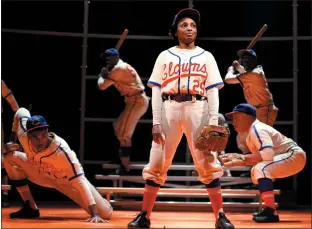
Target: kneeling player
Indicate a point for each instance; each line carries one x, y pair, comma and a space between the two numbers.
48, 161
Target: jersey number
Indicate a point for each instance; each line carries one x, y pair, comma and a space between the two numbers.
199, 85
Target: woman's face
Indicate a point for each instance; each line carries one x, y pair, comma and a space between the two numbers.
186, 31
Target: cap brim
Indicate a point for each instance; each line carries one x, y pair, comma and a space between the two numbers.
230, 115
242, 52
37, 127
191, 13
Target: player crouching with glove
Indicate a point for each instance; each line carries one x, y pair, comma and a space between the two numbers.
273, 156
48, 161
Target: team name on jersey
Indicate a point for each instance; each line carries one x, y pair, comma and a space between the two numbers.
190, 69
46, 167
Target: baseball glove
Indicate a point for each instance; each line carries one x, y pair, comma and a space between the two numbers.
11, 146
232, 159
212, 138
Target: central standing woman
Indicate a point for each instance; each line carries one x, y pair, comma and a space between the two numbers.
185, 96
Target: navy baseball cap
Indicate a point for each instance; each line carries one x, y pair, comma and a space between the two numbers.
244, 108
112, 51
250, 52
35, 122
109, 52
187, 12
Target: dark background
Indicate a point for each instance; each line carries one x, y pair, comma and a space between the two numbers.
45, 71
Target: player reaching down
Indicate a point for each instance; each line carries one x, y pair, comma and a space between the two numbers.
48, 161
183, 78
273, 156
128, 82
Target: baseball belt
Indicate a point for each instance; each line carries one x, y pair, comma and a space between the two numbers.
183, 97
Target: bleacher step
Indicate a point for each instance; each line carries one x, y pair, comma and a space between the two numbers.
140, 165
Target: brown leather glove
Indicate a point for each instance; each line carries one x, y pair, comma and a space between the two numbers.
212, 138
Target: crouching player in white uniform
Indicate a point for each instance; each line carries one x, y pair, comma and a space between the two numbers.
48, 161
273, 156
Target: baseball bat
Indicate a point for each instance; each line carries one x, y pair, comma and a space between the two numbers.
122, 39
257, 37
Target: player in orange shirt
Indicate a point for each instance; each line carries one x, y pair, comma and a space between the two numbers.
252, 78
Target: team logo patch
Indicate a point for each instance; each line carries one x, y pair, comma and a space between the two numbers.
35, 122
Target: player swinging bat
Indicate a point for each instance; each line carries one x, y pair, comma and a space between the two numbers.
252, 78
128, 82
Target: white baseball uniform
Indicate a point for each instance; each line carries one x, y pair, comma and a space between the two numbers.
183, 71
128, 82
55, 167
289, 159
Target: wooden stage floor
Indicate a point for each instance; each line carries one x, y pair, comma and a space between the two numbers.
73, 217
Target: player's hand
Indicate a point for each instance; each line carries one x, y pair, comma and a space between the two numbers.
104, 73
96, 219
238, 67
232, 159
236, 64
158, 134
11, 147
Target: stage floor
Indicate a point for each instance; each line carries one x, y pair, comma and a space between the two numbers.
72, 217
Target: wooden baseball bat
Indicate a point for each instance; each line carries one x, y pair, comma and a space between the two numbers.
122, 38
257, 37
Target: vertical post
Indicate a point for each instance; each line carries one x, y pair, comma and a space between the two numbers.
83, 79
190, 4
295, 78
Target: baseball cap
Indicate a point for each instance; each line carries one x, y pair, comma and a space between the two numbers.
244, 108
109, 52
35, 122
242, 52
112, 51
187, 12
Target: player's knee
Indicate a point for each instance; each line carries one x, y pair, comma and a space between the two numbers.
256, 173
213, 184
265, 184
22, 112
154, 179
109, 214
124, 141
7, 159
152, 183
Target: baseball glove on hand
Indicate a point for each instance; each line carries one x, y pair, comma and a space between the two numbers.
11, 146
232, 159
212, 138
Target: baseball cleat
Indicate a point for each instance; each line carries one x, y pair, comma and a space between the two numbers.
140, 221
266, 215
223, 222
26, 212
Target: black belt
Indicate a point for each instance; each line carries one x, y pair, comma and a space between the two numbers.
183, 97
